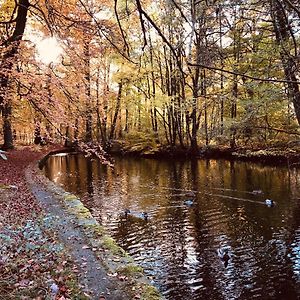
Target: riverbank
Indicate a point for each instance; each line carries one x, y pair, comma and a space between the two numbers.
52, 247
288, 154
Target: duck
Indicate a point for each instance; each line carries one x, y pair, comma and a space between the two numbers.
145, 215
189, 202
269, 202
257, 192
224, 256
127, 212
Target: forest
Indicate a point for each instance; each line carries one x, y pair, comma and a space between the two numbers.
176, 73
167, 78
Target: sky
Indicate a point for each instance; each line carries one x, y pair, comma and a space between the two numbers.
48, 50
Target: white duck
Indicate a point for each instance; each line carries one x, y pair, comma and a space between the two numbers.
2, 154
269, 202
189, 202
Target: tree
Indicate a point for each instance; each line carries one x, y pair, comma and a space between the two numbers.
10, 48
284, 23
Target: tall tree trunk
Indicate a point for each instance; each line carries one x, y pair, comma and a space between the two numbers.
76, 132
6, 66
88, 121
221, 75
236, 57
7, 128
203, 94
233, 112
283, 36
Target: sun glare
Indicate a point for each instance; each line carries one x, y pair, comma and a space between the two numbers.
48, 50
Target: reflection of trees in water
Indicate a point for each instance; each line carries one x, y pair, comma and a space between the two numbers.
78, 182
89, 198
183, 240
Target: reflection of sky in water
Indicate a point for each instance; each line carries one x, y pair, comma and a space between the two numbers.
178, 245
296, 254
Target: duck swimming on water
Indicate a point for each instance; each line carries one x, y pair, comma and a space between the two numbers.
145, 215
127, 212
269, 202
257, 192
189, 202
224, 256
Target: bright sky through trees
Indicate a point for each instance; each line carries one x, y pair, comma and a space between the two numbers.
48, 50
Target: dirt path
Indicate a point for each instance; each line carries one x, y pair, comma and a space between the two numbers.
92, 275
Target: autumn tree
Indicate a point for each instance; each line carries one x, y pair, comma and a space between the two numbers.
9, 48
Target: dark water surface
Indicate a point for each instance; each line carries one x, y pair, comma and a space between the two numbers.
177, 245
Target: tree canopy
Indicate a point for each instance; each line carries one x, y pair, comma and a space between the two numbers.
176, 72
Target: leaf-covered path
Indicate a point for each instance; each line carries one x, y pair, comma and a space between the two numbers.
50, 245
92, 275
33, 262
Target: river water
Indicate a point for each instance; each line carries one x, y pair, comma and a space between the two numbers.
197, 209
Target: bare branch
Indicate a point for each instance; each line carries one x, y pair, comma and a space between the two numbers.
44, 17
121, 29
242, 75
8, 22
291, 5
142, 12
105, 35
139, 7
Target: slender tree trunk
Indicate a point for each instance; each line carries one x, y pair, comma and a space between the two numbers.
88, 121
236, 54
118, 105
76, 131
233, 112
126, 120
37, 133
67, 137
222, 75
98, 127
203, 94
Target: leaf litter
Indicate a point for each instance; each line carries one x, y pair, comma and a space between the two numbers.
33, 264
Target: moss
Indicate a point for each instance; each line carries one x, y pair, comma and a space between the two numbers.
79, 210
97, 229
150, 293
131, 270
81, 214
70, 197
110, 244
73, 286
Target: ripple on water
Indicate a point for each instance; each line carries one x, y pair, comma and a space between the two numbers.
178, 245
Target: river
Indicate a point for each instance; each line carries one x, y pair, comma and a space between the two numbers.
195, 210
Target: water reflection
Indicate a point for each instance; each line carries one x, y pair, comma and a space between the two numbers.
177, 245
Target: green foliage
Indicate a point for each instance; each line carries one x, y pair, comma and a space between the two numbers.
141, 142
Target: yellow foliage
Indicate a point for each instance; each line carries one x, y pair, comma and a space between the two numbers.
7, 9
